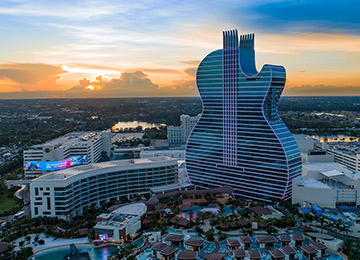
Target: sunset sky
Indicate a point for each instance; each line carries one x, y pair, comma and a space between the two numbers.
118, 48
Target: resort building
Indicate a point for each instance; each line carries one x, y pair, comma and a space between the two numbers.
265, 241
240, 139
56, 154
329, 185
239, 254
178, 135
289, 252
245, 242
121, 223
67, 192
194, 244
175, 239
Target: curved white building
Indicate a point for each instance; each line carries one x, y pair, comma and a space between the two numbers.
67, 192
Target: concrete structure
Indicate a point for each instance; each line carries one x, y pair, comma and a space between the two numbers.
311, 150
177, 154
328, 185
178, 135
91, 144
347, 154
323, 241
67, 192
316, 156
121, 223
306, 142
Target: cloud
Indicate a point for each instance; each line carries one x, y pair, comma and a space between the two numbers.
29, 76
191, 62
322, 90
191, 72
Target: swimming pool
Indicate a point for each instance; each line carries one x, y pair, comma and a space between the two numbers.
192, 212
58, 253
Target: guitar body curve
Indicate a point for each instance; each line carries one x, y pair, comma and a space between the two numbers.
240, 139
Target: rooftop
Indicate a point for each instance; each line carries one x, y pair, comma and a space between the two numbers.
312, 183
123, 215
233, 242
265, 239
96, 168
187, 254
194, 242
239, 252
349, 148
70, 139
245, 239
276, 253
288, 250
174, 237
284, 238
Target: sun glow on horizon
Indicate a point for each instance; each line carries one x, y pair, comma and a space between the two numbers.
93, 87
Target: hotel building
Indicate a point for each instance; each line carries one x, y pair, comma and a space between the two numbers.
67, 192
240, 139
90, 144
177, 135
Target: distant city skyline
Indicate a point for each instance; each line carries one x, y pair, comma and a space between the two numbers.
97, 48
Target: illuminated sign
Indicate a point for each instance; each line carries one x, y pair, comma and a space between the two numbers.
55, 165
103, 237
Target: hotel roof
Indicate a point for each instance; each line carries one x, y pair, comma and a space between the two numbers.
318, 245
298, 237
174, 237
168, 250
159, 246
70, 139
254, 254
194, 242
187, 255
284, 238
239, 252
233, 242
276, 253
309, 249
245, 239
265, 239
98, 168
288, 250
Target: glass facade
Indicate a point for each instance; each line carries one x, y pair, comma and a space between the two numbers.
240, 139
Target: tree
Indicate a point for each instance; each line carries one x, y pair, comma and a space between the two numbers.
222, 236
209, 235
271, 230
23, 253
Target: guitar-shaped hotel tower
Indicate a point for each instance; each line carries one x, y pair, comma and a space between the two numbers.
240, 139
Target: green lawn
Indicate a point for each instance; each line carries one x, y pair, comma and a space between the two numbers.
8, 203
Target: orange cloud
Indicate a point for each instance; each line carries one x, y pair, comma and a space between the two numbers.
29, 77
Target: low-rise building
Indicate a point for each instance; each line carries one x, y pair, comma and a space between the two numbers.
123, 222
194, 244
328, 185
67, 192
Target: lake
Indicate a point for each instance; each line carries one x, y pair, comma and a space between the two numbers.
134, 124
